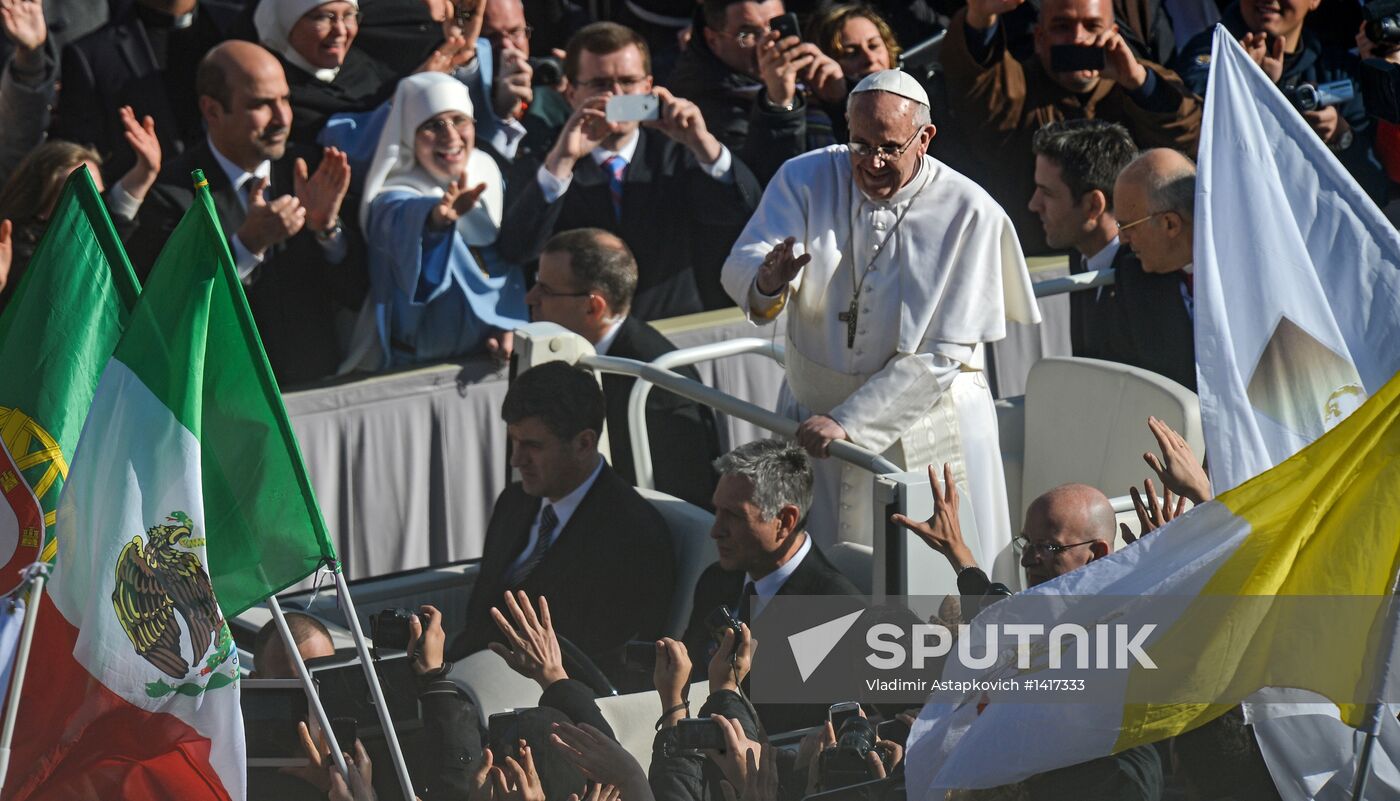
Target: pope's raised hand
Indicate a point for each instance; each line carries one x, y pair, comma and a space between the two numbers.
780, 266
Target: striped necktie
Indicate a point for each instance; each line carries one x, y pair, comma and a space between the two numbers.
615, 166
548, 520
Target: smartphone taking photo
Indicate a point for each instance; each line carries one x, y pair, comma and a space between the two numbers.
1073, 58
633, 108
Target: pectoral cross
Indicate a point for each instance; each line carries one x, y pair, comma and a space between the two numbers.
850, 317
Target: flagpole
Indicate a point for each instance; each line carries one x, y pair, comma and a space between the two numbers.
385, 719
1372, 724
312, 697
26, 637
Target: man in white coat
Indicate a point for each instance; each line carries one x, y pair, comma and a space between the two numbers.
895, 272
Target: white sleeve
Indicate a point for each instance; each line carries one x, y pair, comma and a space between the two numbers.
901, 393
121, 203
722, 168
244, 259
551, 185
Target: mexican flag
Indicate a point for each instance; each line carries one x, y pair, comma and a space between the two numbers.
188, 502
56, 335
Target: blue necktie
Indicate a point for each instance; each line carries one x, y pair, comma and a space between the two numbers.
615, 166
548, 520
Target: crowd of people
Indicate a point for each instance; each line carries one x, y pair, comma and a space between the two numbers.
407, 181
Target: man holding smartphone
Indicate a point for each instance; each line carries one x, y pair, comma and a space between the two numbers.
1082, 68
665, 186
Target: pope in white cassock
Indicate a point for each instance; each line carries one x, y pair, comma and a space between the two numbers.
895, 272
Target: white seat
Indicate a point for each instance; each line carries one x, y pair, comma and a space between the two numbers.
633, 718
493, 685
690, 539
855, 561
1086, 422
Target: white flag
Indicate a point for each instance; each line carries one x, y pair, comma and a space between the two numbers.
1297, 323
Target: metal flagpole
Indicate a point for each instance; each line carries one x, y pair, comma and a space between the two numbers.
1372, 724
312, 697
26, 637
376, 692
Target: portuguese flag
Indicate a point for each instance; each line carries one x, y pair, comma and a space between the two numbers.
55, 337
188, 502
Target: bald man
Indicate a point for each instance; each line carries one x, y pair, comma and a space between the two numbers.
298, 264
999, 103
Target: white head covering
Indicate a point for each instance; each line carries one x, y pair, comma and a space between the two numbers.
896, 82
418, 99
274, 20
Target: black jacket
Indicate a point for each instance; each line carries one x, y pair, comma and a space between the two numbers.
684, 440
1140, 319
609, 576
679, 222
294, 294
125, 63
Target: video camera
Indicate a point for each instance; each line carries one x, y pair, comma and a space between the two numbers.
1311, 97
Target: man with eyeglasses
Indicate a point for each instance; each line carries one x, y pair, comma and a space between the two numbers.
585, 283
666, 187
894, 272
1137, 319
752, 85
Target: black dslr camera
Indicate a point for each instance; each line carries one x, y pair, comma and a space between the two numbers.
389, 628
845, 763
1383, 22
548, 71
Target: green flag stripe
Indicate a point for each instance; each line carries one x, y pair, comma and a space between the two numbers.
192, 342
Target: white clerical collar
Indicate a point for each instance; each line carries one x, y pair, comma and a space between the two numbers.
769, 585
905, 192
237, 175
323, 74
604, 343
1104, 258
627, 151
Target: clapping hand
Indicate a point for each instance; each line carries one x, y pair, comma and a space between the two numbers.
942, 531
1269, 56
1179, 470
141, 135
321, 194
780, 266
270, 223
458, 199
531, 649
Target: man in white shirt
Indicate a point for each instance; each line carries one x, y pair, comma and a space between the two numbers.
570, 529
585, 283
666, 186
297, 263
895, 273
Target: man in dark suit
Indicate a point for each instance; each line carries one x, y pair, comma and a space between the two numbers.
761, 504
670, 190
1140, 318
146, 59
571, 529
297, 263
585, 283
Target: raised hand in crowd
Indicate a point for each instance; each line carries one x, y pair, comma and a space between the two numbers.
781, 61
461, 22
426, 645
760, 777
671, 675
458, 199
982, 14
681, 120
359, 785
323, 193
738, 754
1120, 64
601, 759
585, 129
267, 224
517, 780
1178, 469
454, 52
1152, 514
141, 135
728, 673
7, 251
809, 756
531, 648
319, 765
825, 78
26, 27
479, 783
1268, 56
513, 90
780, 266
598, 792
942, 531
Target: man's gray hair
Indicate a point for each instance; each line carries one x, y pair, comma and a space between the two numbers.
780, 471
